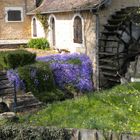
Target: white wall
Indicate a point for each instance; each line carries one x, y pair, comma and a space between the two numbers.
40, 29
64, 32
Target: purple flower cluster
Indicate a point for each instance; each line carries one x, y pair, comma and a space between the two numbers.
66, 74
13, 77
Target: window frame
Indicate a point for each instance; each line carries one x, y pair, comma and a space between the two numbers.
13, 9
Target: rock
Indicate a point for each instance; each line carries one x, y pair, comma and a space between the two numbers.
3, 107
9, 116
88, 135
75, 134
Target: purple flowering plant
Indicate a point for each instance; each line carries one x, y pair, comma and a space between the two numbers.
14, 79
74, 70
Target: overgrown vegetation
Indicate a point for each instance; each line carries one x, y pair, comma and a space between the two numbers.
14, 59
72, 72
38, 79
38, 43
44, 21
117, 109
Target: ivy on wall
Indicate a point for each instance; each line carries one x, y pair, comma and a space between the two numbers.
44, 21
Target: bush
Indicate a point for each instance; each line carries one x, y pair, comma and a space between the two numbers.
71, 71
13, 59
51, 96
37, 77
20, 132
39, 43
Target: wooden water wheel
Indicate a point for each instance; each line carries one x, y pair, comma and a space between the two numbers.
119, 44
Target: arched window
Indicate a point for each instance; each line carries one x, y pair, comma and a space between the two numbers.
53, 30
77, 30
34, 28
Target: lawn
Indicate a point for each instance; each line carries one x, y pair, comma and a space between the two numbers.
117, 109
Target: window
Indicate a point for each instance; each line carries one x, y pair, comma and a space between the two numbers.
77, 30
14, 14
34, 28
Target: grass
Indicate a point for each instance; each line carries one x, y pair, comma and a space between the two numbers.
117, 109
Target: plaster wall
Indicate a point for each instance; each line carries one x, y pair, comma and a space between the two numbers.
40, 29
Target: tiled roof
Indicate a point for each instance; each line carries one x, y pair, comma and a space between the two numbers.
53, 6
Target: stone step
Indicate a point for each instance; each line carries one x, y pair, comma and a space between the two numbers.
24, 101
4, 82
2, 73
4, 92
3, 77
21, 102
6, 86
27, 107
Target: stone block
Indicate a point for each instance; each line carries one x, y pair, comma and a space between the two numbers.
75, 134
88, 135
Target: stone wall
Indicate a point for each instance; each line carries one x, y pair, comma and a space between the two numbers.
15, 30
45, 133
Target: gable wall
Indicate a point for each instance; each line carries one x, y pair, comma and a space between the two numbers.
15, 30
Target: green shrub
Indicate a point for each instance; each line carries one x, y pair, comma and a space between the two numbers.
37, 77
51, 96
39, 80
39, 43
13, 59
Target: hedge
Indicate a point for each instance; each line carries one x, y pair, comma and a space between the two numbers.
14, 59
17, 132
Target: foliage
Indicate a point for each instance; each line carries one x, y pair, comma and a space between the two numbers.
37, 77
38, 43
51, 96
18, 132
14, 78
71, 71
13, 59
116, 109
44, 21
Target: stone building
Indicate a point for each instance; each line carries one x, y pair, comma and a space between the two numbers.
105, 30
15, 25
93, 27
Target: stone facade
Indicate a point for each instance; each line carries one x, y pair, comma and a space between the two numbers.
15, 30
